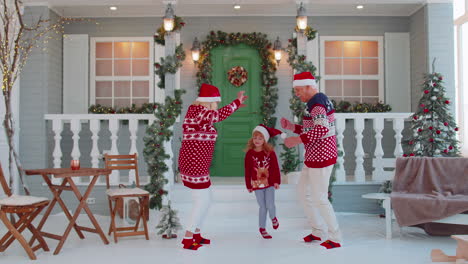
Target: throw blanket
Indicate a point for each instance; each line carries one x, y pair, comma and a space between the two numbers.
427, 189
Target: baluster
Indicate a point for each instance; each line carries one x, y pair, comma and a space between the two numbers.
340, 173
57, 127
75, 127
94, 126
378, 173
359, 173
398, 125
133, 128
114, 178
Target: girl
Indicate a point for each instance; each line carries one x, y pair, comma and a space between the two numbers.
262, 174
196, 152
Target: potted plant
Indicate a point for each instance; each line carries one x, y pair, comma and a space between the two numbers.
290, 164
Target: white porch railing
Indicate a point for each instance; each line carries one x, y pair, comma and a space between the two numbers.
378, 162
94, 121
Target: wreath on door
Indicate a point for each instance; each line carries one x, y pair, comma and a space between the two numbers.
237, 76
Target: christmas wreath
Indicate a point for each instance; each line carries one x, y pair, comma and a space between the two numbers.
237, 76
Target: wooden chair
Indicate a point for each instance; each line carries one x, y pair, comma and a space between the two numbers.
26, 208
116, 196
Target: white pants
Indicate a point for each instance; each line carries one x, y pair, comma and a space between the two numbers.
312, 190
201, 203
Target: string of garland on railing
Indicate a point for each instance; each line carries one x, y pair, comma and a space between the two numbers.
347, 107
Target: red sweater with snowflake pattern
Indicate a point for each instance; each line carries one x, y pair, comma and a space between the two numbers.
318, 132
199, 138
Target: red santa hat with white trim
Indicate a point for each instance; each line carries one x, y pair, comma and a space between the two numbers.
209, 93
303, 79
268, 132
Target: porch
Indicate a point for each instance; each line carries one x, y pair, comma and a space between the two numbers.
236, 240
369, 143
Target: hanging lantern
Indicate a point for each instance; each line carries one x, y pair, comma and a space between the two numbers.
195, 50
277, 50
301, 18
169, 18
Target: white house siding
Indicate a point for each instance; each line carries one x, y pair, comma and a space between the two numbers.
200, 27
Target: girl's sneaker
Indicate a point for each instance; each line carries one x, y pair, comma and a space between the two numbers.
275, 223
264, 233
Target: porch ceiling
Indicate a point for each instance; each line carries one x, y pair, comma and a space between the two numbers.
132, 8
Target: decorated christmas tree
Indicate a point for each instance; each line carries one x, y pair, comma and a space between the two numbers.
433, 129
169, 223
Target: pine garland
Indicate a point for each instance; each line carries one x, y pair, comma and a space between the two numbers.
347, 107
161, 32
258, 41
434, 129
169, 223
146, 108
154, 153
170, 64
309, 32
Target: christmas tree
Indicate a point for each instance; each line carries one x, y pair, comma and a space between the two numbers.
434, 129
169, 223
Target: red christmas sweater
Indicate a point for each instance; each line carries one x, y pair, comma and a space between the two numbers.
318, 132
261, 170
199, 138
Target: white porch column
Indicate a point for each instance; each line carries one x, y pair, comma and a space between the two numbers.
172, 83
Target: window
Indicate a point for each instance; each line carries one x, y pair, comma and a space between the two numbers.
352, 68
121, 71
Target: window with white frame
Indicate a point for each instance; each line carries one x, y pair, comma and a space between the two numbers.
351, 68
122, 71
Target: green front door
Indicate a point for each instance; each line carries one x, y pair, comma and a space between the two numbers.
235, 131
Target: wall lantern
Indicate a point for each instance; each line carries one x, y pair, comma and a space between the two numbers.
195, 50
169, 18
301, 18
277, 50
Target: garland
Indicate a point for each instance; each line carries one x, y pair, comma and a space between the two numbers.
347, 107
258, 41
309, 32
161, 32
159, 131
154, 153
146, 108
170, 64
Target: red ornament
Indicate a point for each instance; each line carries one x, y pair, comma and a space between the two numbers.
456, 129
422, 105
404, 155
430, 128
445, 150
289, 40
420, 130
411, 155
157, 65
450, 147
161, 192
441, 78
411, 142
438, 131
431, 140
445, 124
415, 117
426, 91
447, 102
426, 110
155, 106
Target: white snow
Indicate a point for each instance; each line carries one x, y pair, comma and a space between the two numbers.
237, 240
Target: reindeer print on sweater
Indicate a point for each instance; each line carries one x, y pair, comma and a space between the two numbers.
261, 170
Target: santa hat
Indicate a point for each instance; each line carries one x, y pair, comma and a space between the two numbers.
209, 93
268, 132
303, 79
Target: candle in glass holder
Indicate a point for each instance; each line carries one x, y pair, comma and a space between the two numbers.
75, 164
